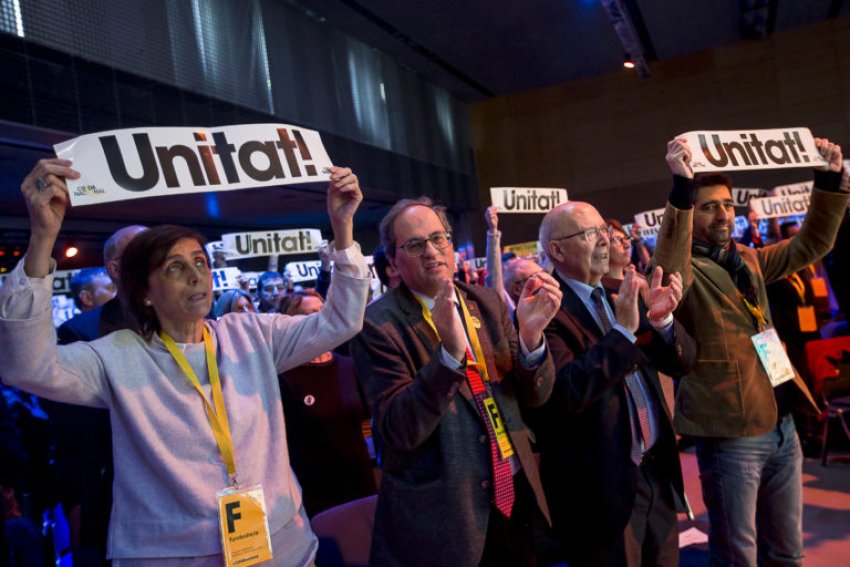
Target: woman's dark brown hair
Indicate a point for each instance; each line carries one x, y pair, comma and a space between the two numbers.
146, 253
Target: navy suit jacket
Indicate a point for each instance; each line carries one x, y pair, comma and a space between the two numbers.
584, 432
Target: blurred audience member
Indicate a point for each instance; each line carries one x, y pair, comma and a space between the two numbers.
270, 290
83, 435
386, 273
325, 419
641, 252
233, 301
91, 288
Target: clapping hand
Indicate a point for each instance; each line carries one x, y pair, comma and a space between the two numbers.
538, 303
663, 300
447, 321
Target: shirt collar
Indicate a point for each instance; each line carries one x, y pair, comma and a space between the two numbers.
429, 301
581, 289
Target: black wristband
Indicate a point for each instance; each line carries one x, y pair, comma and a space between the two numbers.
682, 193
828, 180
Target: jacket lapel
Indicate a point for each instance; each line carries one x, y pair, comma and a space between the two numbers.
574, 309
412, 310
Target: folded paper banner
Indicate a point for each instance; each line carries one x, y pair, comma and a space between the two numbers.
527, 199
118, 165
735, 150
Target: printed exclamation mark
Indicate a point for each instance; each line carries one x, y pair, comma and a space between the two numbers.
309, 168
800, 145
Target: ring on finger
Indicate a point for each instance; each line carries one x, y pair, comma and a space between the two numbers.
41, 184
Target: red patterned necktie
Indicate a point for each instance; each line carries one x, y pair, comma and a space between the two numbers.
503, 480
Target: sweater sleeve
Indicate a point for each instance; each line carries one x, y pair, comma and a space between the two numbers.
297, 340
29, 357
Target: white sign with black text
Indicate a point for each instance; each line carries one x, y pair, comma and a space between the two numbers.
271, 243
783, 206
650, 221
803, 188
527, 199
734, 150
741, 196
118, 165
225, 278
306, 271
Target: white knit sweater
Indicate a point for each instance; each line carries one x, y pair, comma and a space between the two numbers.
167, 464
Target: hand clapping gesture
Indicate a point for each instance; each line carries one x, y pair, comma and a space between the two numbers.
447, 321
538, 303
663, 300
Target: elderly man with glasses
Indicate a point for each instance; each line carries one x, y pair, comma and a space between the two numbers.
445, 373
607, 450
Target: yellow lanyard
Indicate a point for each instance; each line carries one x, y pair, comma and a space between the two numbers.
479, 361
756, 312
218, 416
797, 283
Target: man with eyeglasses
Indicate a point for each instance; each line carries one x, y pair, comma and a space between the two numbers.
607, 449
270, 290
445, 372
739, 413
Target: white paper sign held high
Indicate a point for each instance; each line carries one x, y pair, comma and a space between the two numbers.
527, 199
118, 165
731, 150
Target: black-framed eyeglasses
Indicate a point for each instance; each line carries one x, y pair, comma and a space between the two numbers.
590, 234
621, 239
415, 247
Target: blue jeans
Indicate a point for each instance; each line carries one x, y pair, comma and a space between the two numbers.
752, 488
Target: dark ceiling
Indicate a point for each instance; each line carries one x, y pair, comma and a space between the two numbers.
483, 48
474, 48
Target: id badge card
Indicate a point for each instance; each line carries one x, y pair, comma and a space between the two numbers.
806, 317
819, 287
244, 525
506, 450
773, 357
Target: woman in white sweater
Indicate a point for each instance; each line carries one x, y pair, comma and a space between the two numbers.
169, 465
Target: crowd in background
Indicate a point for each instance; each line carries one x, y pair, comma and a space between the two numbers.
54, 453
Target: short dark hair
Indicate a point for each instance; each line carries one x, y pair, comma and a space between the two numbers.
379, 259
386, 228
267, 276
82, 280
710, 180
292, 301
144, 254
